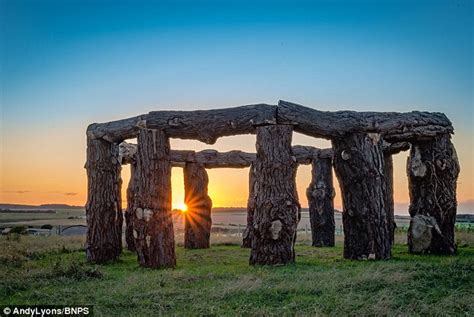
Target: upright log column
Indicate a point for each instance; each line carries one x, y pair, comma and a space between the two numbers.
197, 227
129, 214
104, 203
433, 170
153, 221
248, 232
388, 171
277, 209
359, 166
320, 195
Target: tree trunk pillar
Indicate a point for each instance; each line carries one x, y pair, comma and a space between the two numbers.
320, 194
388, 171
153, 221
197, 226
359, 166
104, 204
247, 234
131, 198
433, 170
277, 208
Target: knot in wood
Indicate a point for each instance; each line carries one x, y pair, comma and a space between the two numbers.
232, 124
275, 229
207, 138
320, 193
345, 155
374, 137
418, 169
141, 124
147, 214
441, 164
139, 213
174, 122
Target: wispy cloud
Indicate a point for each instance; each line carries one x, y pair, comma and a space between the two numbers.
16, 191
30, 192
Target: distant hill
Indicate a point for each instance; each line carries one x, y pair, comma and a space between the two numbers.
229, 209
39, 207
244, 209
60, 206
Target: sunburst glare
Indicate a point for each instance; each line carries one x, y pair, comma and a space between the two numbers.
182, 206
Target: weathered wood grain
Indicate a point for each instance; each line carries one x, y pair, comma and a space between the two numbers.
215, 159
209, 125
359, 166
153, 221
393, 126
433, 169
197, 226
132, 191
320, 194
248, 232
363, 143
277, 210
203, 125
389, 203
104, 204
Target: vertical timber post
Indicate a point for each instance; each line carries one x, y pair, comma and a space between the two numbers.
129, 214
359, 166
197, 226
247, 234
153, 220
320, 194
388, 171
433, 169
104, 203
277, 209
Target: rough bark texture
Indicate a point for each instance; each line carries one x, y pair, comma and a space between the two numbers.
359, 166
215, 159
153, 222
362, 163
248, 232
104, 203
129, 214
127, 153
203, 125
390, 149
208, 125
197, 228
277, 209
320, 194
388, 172
394, 148
433, 170
393, 126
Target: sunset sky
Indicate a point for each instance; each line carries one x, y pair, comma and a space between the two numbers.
66, 64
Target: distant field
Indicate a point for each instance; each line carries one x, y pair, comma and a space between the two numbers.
221, 218
38, 218
219, 281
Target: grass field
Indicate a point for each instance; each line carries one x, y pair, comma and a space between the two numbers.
61, 217
218, 281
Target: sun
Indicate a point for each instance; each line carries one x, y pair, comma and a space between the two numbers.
182, 206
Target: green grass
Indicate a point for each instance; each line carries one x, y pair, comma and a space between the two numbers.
219, 281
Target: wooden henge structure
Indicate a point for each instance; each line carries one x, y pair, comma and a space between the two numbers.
362, 147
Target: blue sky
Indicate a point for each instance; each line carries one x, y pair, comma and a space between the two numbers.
65, 64
80, 56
